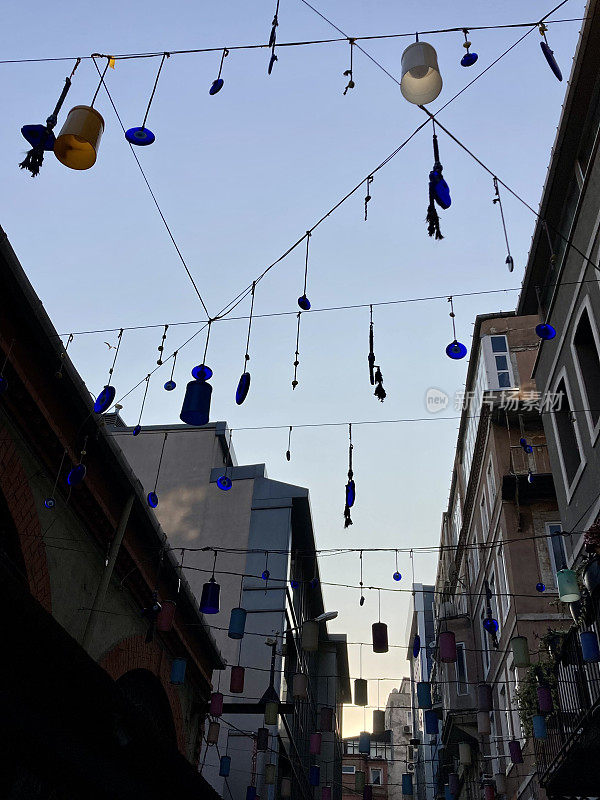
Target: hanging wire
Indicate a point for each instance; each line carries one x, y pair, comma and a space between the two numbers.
162, 61
161, 346
273, 39
368, 194
362, 596
348, 72
63, 356
247, 356
206, 343
111, 370
297, 353
94, 57
497, 199
138, 427
162, 450
288, 454
179, 577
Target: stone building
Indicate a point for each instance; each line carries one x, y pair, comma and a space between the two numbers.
399, 721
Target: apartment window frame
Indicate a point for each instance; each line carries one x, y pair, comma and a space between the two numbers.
372, 771
484, 513
490, 479
461, 658
485, 644
586, 307
503, 587
348, 769
569, 487
551, 534
498, 362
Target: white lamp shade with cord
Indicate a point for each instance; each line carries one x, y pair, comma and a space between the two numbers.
421, 80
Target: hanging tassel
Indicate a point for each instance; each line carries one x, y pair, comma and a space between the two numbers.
273, 40
350, 486
379, 392
438, 193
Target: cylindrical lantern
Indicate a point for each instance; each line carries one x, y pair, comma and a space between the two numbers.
314, 775
589, 646
212, 737
359, 780
271, 713
310, 636
368, 792
378, 721
500, 780
447, 793
196, 403
236, 681
77, 143
568, 588
178, 666
315, 744
464, 753
380, 637
326, 719
251, 793
453, 783
489, 793
209, 601
447, 647
520, 649
300, 686
484, 697
364, 743
540, 730
421, 79
326, 793
270, 774
407, 784
237, 623
483, 723
424, 694
361, 692
164, 620
216, 704
225, 766
516, 754
431, 723
544, 698
262, 739
285, 789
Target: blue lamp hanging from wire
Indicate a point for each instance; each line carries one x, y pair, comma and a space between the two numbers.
107, 395
152, 497
196, 403
224, 482
303, 300
209, 601
217, 84
170, 384
548, 53
350, 485
78, 471
469, 58
498, 200
439, 192
544, 330
143, 136
455, 350
244, 383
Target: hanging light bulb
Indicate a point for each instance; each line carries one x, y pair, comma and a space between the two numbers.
178, 667
217, 84
421, 80
237, 623
364, 743
314, 775
216, 704
378, 722
236, 680
262, 739
271, 713
520, 650
361, 690
224, 766
424, 694
455, 350
212, 737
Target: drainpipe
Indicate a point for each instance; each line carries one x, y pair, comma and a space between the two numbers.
106, 575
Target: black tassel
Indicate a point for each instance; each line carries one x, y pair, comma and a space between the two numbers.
33, 161
347, 518
432, 218
379, 392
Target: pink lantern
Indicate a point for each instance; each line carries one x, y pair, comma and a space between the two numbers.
516, 754
447, 646
484, 697
236, 684
326, 793
164, 621
315, 744
489, 792
216, 704
544, 698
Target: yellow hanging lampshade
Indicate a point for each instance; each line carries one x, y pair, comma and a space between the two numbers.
77, 143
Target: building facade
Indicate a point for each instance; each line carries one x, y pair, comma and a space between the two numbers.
562, 280
257, 527
98, 700
399, 721
373, 767
500, 542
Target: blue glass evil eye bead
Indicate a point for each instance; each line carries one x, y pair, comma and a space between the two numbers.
136, 430
549, 56
294, 583
202, 372
140, 136
545, 331
456, 350
216, 87
304, 303
104, 399
49, 502
76, 475
490, 625
468, 59
152, 499
243, 388
224, 483
266, 575
441, 190
169, 386
396, 576
540, 587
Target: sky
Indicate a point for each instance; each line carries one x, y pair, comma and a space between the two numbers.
240, 176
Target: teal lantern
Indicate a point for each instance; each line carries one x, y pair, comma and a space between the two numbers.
568, 588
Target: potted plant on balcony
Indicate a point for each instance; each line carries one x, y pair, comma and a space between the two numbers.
590, 570
540, 674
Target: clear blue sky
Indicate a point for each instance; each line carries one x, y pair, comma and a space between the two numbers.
242, 175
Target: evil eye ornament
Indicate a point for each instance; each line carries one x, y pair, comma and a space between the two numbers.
202, 372
350, 493
441, 190
266, 575
490, 625
549, 56
224, 483
140, 136
545, 331
39, 136
304, 303
468, 59
294, 583
526, 447
49, 502
243, 388
76, 475
216, 87
396, 576
540, 587
136, 430
152, 499
104, 399
169, 386
456, 350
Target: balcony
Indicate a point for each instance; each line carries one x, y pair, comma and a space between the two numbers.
568, 758
531, 473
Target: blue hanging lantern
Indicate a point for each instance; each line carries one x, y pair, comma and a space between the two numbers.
104, 399
456, 350
527, 448
209, 602
304, 303
224, 483
216, 86
251, 793
243, 388
140, 136
545, 331
76, 475
431, 723
314, 775
407, 784
178, 666
416, 646
137, 430
469, 58
196, 403
589, 646
424, 694
225, 766
540, 587
49, 502
152, 499
170, 385
540, 730
364, 743
237, 623
490, 625
397, 576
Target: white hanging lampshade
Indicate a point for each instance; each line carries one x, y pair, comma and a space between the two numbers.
568, 588
300, 686
464, 753
421, 80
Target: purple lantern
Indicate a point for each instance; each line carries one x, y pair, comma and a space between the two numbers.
516, 754
544, 698
447, 646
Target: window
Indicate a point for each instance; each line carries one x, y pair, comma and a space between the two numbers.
376, 777
585, 345
491, 483
475, 552
498, 362
461, 669
348, 769
504, 717
485, 643
493, 601
502, 583
485, 519
568, 441
556, 543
